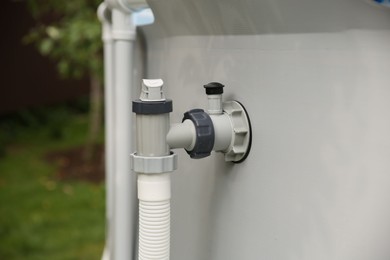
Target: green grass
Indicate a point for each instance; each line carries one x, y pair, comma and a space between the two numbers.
41, 217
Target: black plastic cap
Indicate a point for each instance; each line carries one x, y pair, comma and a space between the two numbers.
214, 88
204, 133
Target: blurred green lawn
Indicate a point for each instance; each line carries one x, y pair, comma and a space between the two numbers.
41, 217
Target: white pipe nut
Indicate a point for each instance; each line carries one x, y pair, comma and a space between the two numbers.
154, 165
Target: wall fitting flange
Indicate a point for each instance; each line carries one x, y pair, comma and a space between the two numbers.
242, 134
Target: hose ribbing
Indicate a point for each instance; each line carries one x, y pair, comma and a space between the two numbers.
154, 230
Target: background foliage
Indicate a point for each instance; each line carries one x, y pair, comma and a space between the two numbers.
41, 216
69, 33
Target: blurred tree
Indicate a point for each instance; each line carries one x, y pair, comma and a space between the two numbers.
69, 33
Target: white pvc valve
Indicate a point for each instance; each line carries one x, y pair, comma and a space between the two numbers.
152, 90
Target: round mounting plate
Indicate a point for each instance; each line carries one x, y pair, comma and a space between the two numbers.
242, 132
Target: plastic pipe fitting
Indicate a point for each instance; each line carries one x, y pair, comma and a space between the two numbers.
225, 128
182, 135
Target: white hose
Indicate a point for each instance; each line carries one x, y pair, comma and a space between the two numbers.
154, 193
154, 230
